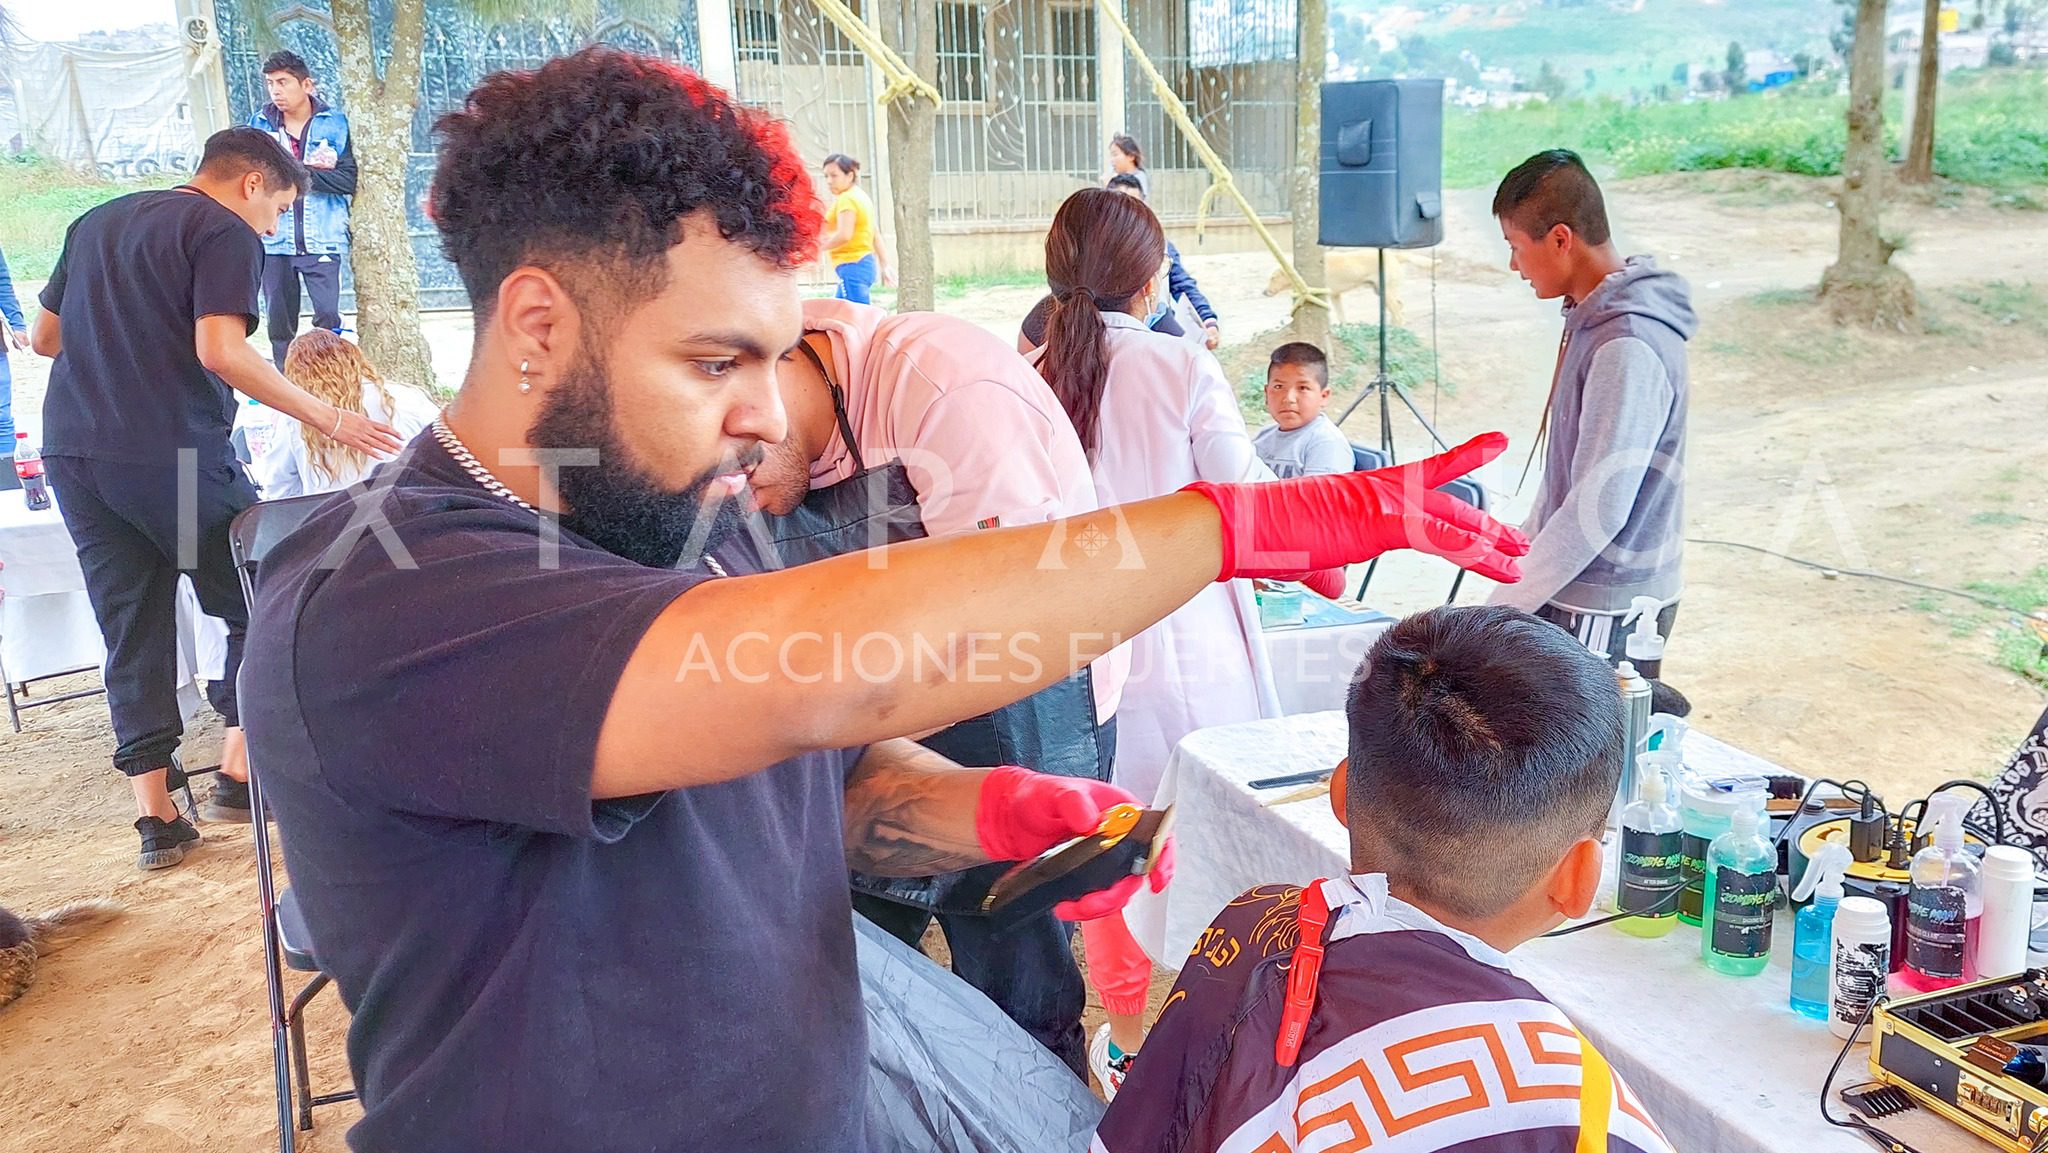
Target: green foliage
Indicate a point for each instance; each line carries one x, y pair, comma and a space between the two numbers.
39, 199
1990, 132
2020, 305
959, 284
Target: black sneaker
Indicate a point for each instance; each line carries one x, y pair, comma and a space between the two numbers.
164, 842
229, 801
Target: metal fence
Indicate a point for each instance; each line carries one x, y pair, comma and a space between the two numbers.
458, 51
788, 58
1232, 63
1021, 124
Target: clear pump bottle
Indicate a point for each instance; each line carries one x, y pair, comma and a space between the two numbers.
1945, 903
1813, 929
1741, 883
1649, 876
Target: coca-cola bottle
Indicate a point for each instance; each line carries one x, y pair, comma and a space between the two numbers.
28, 465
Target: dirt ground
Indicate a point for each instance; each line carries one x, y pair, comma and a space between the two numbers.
1919, 458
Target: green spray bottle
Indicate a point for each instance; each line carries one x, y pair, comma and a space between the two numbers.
1741, 894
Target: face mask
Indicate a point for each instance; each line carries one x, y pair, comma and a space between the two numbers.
1160, 308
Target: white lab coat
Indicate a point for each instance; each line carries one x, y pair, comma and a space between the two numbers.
1169, 419
286, 469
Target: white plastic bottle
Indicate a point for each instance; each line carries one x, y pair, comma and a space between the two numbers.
2007, 883
1862, 958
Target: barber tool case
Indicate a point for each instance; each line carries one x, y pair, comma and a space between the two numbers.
1949, 1050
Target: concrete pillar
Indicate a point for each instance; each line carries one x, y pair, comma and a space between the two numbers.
715, 44
1109, 77
206, 79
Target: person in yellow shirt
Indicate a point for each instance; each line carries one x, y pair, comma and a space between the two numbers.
850, 239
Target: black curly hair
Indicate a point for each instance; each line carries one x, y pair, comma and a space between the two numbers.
588, 166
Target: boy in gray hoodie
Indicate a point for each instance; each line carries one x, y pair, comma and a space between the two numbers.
1608, 524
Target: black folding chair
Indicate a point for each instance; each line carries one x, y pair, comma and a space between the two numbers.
285, 942
1365, 459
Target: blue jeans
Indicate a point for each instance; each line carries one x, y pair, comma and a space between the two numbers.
7, 477
857, 278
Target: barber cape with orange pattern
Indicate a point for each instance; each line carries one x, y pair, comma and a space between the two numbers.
1417, 1039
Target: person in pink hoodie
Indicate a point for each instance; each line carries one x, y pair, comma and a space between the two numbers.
911, 425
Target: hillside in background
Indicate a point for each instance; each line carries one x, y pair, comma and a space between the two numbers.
1598, 47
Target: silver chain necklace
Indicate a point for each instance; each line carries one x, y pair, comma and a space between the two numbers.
474, 467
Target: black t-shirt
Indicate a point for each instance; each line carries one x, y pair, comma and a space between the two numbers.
528, 969
135, 275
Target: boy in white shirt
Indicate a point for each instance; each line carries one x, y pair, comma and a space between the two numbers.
1301, 441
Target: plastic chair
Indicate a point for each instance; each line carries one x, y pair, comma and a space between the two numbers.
285, 940
1365, 459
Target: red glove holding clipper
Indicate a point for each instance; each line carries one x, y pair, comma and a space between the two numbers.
1022, 814
1285, 528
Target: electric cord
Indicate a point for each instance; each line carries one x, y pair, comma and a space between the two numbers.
1668, 901
1882, 1139
1866, 574
1996, 834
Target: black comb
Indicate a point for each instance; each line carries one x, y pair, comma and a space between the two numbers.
1878, 1100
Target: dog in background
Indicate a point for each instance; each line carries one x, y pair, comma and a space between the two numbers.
24, 939
1347, 268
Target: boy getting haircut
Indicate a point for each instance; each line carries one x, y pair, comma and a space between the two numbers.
1485, 749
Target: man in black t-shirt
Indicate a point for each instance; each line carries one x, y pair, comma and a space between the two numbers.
567, 782
148, 314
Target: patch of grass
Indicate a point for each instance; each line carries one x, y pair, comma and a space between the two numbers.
1783, 297
38, 201
2010, 474
2023, 596
2021, 650
2007, 304
1998, 519
1990, 132
961, 284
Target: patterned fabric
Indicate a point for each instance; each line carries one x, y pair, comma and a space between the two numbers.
1421, 1040
2022, 791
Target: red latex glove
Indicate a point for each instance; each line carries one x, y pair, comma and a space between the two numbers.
1285, 528
1022, 814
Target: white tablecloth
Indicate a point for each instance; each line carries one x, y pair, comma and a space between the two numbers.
46, 622
1723, 1063
1312, 667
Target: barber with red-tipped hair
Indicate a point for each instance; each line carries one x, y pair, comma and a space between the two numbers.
568, 797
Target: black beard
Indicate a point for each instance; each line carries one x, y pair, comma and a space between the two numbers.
615, 504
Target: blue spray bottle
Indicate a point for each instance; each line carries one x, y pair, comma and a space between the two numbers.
1814, 928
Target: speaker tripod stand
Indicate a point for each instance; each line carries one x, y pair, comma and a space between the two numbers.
1385, 386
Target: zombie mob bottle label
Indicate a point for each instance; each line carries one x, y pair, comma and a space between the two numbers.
1650, 872
1692, 872
1936, 930
1742, 912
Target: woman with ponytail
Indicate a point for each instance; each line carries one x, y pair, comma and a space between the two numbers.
1155, 414
303, 460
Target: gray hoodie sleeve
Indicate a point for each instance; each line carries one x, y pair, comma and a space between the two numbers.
1627, 400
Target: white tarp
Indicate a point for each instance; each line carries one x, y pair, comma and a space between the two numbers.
125, 113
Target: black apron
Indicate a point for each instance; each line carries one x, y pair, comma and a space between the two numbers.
1051, 731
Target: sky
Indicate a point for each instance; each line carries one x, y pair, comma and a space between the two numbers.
50, 20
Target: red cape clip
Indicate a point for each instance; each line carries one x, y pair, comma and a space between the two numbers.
1302, 971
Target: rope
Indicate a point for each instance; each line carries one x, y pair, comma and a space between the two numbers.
1223, 183
902, 82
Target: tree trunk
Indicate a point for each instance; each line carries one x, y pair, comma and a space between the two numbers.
1311, 320
1861, 287
1919, 167
912, 30
380, 111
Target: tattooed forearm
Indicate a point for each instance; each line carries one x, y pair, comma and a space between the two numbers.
910, 812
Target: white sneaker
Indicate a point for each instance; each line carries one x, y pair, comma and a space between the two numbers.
1109, 1075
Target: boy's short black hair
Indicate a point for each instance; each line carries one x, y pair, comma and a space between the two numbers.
1549, 189
1304, 354
1484, 743
232, 153
1127, 180
589, 165
286, 60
